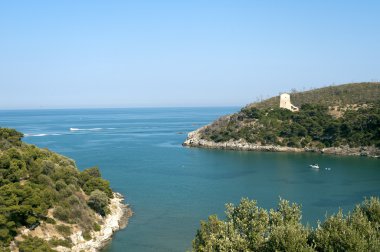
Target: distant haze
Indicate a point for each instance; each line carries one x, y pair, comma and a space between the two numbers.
83, 54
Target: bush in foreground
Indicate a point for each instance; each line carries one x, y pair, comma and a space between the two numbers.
250, 228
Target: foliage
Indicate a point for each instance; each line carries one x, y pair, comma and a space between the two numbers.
88, 174
87, 235
64, 230
313, 127
34, 244
34, 180
61, 242
9, 138
250, 228
341, 95
97, 184
96, 227
98, 201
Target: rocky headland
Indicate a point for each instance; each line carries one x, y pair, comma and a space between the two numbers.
339, 120
48, 204
194, 139
117, 219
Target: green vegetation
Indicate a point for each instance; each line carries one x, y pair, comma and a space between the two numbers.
34, 244
36, 181
315, 126
98, 201
64, 230
354, 93
250, 228
61, 242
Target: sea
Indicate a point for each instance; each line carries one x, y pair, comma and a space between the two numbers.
171, 188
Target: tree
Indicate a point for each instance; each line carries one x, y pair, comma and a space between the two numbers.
97, 183
98, 201
88, 174
250, 228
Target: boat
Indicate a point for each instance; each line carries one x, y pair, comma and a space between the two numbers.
315, 166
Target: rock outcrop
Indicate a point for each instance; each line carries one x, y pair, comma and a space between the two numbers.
117, 219
194, 139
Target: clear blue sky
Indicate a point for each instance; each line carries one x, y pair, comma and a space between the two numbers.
64, 54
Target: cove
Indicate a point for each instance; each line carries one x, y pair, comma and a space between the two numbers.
171, 188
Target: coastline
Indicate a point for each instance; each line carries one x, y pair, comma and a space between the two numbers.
116, 220
194, 140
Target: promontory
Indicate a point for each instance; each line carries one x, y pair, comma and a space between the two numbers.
341, 120
47, 204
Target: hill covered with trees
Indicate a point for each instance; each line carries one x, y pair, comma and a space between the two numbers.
248, 227
43, 191
334, 118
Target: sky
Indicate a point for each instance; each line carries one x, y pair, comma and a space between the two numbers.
100, 54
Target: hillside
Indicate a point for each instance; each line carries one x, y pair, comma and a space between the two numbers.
47, 204
342, 95
341, 119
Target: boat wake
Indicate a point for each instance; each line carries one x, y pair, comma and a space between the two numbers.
40, 135
90, 129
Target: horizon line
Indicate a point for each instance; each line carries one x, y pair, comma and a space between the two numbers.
131, 107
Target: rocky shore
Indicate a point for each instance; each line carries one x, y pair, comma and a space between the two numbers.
194, 140
117, 219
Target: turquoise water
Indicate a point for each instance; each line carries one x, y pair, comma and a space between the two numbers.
171, 188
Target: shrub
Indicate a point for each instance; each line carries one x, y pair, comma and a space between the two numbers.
62, 213
50, 221
250, 228
88, 174
60, 185
34, 244
97, 184
96, 227
98, 201
87, 235
61, 242
64, 230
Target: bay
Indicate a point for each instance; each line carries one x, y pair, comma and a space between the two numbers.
171, 188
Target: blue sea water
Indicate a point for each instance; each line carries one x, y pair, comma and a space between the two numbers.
171, 188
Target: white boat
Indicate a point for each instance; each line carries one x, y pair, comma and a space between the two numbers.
315, 166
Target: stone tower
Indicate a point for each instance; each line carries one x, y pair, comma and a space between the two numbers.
285, 102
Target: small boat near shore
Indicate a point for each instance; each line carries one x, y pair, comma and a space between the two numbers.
315, 166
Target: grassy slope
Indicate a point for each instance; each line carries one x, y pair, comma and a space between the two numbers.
353, 93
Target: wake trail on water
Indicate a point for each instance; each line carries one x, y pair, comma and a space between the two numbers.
40, 134
89, 129
71, 130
